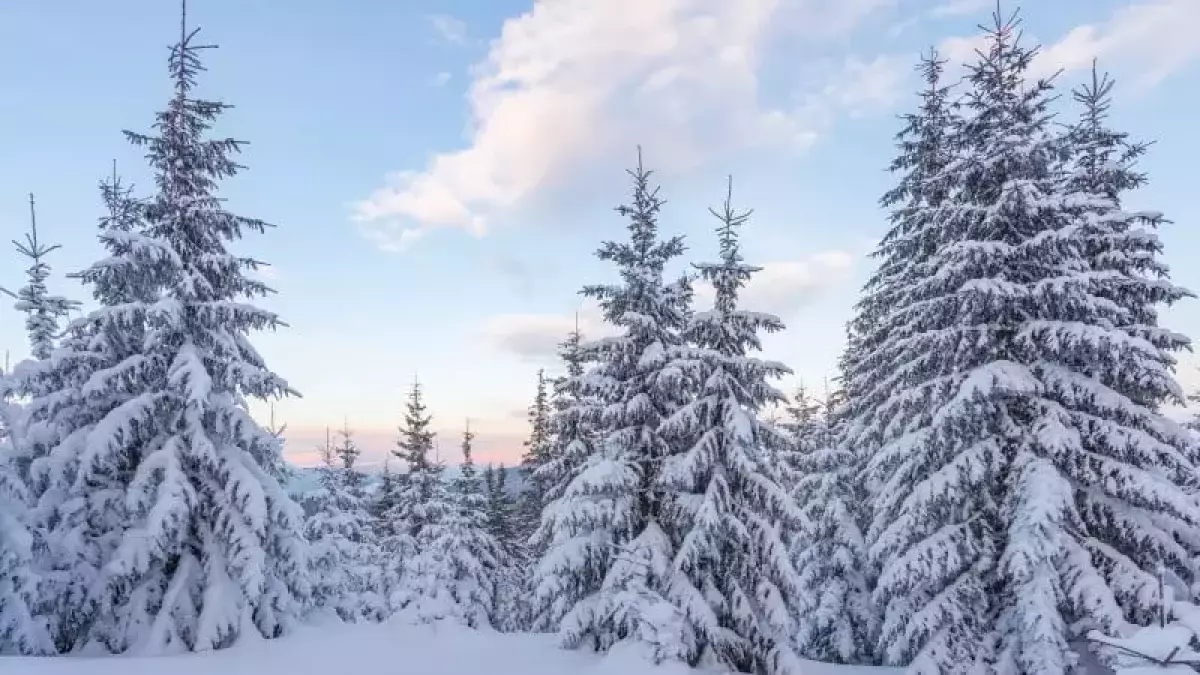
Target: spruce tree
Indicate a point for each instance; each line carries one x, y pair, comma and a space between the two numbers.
735, 583
44, 312
888, 317
1027, 487
181, 536
608, 563
415, 520
1119, 374
343, 558
537, 453
22, 630
572, 420
79, 492
463, 562
512, 602
834, 613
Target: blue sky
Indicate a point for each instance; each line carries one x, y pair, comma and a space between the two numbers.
441, 171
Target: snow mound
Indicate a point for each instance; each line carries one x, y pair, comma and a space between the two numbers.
393, 647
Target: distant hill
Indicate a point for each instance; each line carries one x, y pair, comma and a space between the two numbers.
307, 479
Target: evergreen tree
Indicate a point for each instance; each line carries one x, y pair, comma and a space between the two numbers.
512, 604
881, 400
834, 613
384, 499
462, 562
417, 519
1120, 376
43, 312
344, 562
79, 493
179, 534
22, 630
537, 453
608, 565
1022, 493
573, 416
725, 506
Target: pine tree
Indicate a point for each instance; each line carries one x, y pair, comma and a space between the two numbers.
79, 492
183, 536
459, 559
1130, 503
512, 604
343, 559
22, 629
834, 612
384, 499
537, 453
875, 366
422, 478
608, 563
43, 312
1022, 493
573, 417
735, 583
422, 503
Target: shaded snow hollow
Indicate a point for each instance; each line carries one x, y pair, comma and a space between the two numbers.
383, 648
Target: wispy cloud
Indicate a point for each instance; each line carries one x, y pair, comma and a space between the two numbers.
535, 337
440, 79
449, 28
960, 8
1149, 40
574, 82
783, 287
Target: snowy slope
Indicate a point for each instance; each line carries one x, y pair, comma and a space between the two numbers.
388, 649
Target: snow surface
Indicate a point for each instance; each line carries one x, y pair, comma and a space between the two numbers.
392, 647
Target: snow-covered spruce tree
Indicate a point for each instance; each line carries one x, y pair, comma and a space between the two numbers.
205, 542
1128, 364
512, 587
500, 504
835, 617
537, 453
422, 501
22, 630
79, 493
608, 567
383, 500
466, 560
926, 144
892, 379
887, 310
1021, 495
733, 578
343, 559
43, 312
572, 421
1122, 247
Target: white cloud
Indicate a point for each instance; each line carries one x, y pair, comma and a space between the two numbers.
1151, 39
960, 8
785, 286
448, 28
440, 79
782, 287
535, 337
575, 82
959, 51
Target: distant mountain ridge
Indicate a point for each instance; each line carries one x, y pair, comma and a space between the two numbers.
305, 479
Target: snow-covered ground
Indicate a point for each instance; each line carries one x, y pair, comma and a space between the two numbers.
386, 649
